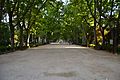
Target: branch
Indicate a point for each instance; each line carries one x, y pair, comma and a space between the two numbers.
38, 12
112, 8
51, 4
91, 11
14, 7
28, 8
86, 21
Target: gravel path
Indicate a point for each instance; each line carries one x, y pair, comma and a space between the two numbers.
59, 62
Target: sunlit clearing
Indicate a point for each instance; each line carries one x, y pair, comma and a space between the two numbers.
75, 47
49, 46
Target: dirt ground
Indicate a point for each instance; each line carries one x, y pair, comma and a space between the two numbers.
59, 62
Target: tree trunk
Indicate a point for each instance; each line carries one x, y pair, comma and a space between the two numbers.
21, 37
112, 29
95, 36
114, 40
21, 34
27, 38
100, 23
117, 32
103, 38
11, 31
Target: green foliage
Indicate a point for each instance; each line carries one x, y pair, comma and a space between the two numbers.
42, 21
4, 37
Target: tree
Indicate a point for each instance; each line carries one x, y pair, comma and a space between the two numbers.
51, 20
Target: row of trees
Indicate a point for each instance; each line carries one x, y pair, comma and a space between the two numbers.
22, 18
27, 23
95, 22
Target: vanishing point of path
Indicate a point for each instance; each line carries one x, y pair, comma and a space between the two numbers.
59, 62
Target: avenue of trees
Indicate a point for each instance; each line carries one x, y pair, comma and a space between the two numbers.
26, 23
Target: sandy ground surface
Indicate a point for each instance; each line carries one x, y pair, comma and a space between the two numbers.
59, 62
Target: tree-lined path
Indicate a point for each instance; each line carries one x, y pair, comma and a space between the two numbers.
59, 62
25, 24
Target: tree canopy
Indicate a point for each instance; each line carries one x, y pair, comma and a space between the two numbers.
25, 23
